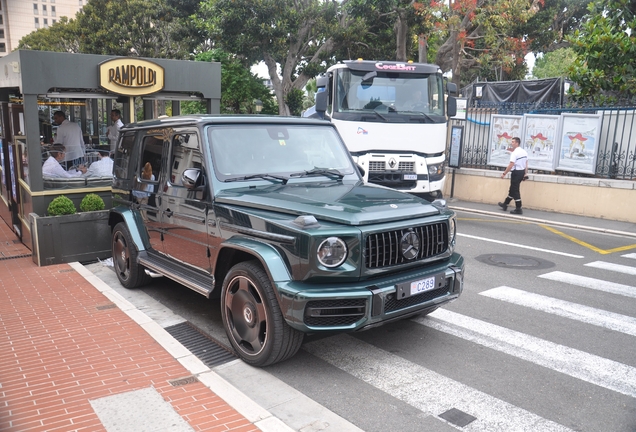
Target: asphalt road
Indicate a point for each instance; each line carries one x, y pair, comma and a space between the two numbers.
542, 339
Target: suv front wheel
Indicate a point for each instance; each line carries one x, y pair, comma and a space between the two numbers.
252, 318
129, 273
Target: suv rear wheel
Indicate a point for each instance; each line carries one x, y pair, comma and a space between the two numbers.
252, 318
129, 273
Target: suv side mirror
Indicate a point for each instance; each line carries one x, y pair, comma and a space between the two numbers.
190, 178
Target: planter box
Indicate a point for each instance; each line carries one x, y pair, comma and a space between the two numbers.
79, 237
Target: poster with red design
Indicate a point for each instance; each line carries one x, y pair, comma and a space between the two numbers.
579, 142
540, 138
502, 129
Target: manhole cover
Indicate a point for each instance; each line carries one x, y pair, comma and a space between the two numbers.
519, 262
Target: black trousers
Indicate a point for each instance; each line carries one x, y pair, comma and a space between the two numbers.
516, 177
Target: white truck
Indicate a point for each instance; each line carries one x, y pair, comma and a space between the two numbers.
393, 118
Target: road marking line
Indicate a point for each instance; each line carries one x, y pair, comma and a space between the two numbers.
587, 245
613, 267
586, 314
422, 388
591, 283
597, 370
519, 246
631, 255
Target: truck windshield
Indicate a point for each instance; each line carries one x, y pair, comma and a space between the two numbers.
275, 151
388, 96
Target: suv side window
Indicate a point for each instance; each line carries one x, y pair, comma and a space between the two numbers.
123, 154
185, 154
151, 153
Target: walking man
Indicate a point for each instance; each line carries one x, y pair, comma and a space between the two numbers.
518, 168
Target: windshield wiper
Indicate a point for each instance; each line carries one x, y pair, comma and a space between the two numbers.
262, 176
419, 114
329, 172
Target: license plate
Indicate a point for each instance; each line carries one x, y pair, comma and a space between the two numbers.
410, 176
423, 285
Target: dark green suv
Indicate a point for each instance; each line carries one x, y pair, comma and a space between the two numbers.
271, 214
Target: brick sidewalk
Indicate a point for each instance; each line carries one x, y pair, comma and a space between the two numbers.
64, 344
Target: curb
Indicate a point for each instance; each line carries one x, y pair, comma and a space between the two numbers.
547, 222
249, 409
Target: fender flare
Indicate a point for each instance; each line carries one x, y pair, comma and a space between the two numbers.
269, 257
140, 238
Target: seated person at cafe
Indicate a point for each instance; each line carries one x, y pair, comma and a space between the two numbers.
52, 167
100, 168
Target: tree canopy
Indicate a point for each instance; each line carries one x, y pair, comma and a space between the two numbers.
605, 68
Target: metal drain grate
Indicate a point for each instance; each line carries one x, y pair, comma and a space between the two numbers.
104, 307
208, 350
3, 257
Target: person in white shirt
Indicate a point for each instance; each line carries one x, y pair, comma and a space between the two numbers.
100, 168
113, 130
69, 134
52, 167
518, 168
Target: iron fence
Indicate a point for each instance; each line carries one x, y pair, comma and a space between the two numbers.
616, 155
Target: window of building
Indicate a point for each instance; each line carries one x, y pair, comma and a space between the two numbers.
37, 22
3, 47
79, 2
44, 10
52, 10
1, 19
1, 33
46, 23
53, 22
35, 8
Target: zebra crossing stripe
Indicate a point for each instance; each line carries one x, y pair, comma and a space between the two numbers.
578, 364
591, 283
613, 267
586, 314
630, 255
424, 389
519, 245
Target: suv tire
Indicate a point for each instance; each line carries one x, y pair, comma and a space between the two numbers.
252, 318
129, 273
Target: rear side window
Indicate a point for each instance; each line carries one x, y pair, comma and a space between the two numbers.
151, 153
123, 154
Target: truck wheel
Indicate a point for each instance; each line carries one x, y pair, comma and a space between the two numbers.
252, 318
129, 273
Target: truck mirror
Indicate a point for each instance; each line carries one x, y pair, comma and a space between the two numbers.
322, 99
451, 106
451, 88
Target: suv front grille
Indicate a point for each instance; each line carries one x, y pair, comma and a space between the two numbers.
384, 250
334, 312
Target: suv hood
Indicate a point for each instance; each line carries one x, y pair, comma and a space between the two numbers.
349, 204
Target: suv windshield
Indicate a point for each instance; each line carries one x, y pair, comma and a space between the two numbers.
246, 152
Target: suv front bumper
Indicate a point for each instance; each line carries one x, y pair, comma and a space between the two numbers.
313, 308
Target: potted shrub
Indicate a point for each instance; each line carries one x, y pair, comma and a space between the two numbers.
61, 205
92, 202
65, 235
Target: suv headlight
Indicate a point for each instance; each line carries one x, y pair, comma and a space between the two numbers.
452, 230
332, 252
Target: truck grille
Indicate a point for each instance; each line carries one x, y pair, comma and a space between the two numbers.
381, 166
338, 312
384, 250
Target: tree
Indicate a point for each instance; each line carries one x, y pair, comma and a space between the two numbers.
62, 36
298, 35
605, 69
146, 28
239, 87
554, 64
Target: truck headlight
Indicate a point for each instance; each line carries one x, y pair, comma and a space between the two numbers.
332, 252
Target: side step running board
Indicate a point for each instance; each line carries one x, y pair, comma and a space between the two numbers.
193, 279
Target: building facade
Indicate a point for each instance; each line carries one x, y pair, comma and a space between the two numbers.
18, 18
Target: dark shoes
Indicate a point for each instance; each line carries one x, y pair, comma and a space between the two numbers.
503, 206
516, 211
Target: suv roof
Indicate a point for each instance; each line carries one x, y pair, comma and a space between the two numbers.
224, 119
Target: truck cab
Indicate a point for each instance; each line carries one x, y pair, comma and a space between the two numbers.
393, 117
